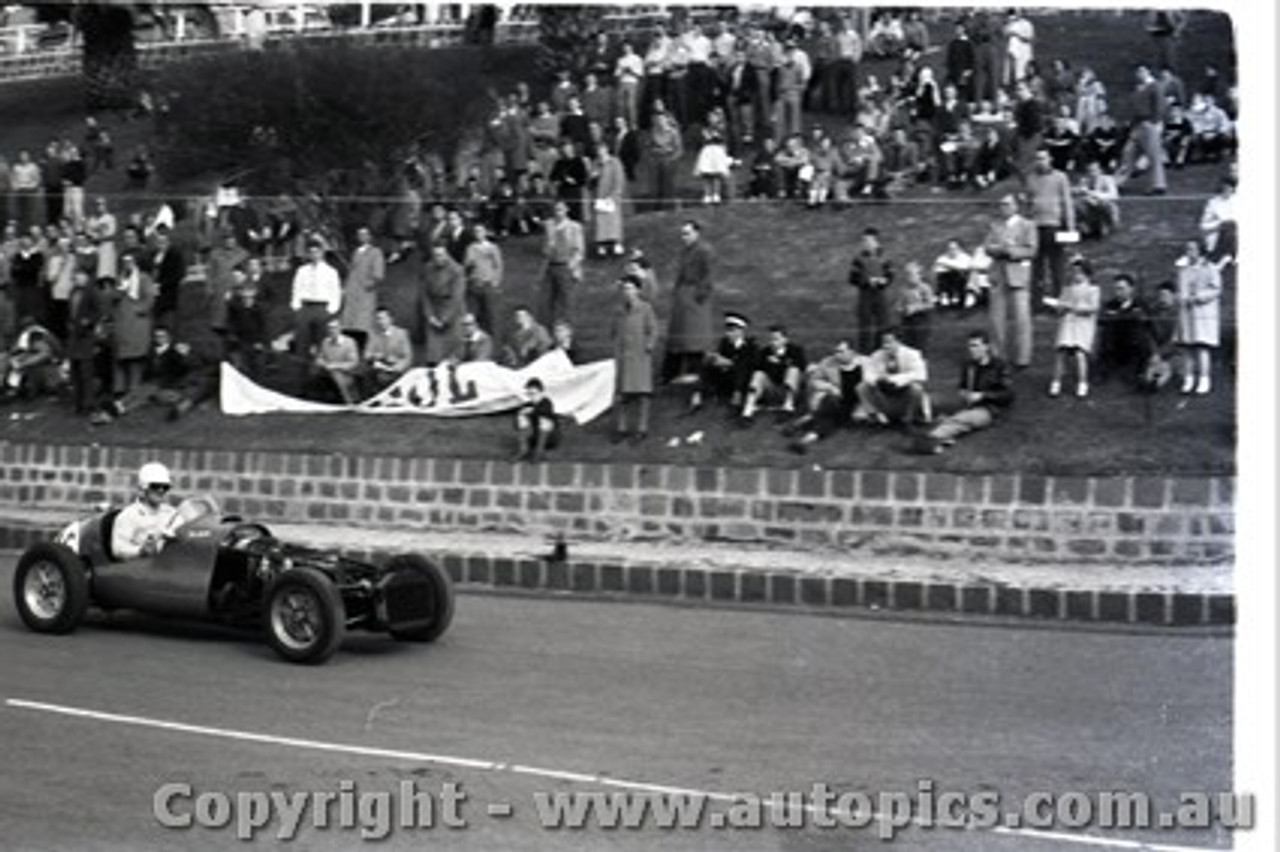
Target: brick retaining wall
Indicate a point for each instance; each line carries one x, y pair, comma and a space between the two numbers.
1024, 517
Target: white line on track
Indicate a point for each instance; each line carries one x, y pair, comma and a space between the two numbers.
534, 771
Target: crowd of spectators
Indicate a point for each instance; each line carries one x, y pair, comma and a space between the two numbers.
95, 302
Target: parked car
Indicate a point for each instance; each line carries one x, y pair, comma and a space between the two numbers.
221, 568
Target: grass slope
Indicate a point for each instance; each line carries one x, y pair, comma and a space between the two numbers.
781, 262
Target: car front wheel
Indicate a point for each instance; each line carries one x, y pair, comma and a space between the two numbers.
428, 581
50, 588
305, 618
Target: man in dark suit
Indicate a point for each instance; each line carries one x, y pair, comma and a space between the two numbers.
170, 268
626, 146
727, 371
1124, 328
455, 235
84, 317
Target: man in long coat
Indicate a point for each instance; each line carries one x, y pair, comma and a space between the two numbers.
444, 301
693, 321
220, 275
134, 299
360, 290
85, 314
611, 187
634, 333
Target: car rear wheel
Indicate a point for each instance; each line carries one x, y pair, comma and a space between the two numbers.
305, 618
435, 584
50, 588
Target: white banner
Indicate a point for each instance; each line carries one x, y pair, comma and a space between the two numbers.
581, 392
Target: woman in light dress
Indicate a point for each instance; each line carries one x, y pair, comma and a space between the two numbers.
1077, 307
1199, 286
713, 161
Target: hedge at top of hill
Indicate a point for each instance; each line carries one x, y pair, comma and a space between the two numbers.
318, 116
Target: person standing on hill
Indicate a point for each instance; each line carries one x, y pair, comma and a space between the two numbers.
168, 269
871, 276
564, 250
1011, 243
666, 147
219, 273
317, 295
634, 333
1146, 136
611, 186
360, 295
444, 301
1053, 212
483, 265
692, 333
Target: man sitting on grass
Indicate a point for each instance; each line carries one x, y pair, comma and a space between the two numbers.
726, 372
471, 343
892, 389
173, 378
776, 378
832, 395
33, 367
528, 340
336, 364
388, 353
986, 389
1162, 342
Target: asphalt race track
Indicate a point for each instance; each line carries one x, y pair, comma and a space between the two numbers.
525, 696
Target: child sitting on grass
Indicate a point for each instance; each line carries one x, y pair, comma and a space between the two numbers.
536, 424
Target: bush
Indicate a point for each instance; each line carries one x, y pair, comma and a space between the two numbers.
325, 118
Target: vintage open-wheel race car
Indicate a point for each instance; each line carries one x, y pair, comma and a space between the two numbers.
222, 568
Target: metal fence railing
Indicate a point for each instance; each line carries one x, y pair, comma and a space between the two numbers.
34, 51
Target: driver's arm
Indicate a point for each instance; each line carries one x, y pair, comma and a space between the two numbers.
137, 533
129, 533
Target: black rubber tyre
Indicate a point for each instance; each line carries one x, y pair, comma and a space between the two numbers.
441, 590
51, 588
304, 617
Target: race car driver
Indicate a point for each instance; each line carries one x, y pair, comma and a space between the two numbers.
142, 527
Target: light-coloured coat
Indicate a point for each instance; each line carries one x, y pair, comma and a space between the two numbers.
610, 190
131, 319
444, 298
360, 290
635, 332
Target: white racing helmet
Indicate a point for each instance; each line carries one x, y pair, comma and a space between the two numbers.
153, 473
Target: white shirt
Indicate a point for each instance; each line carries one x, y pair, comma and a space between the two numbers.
910, 367
699, 47
317, 282
849, 45
136, 524
1218, 210
25, 176
958, 262
630, 67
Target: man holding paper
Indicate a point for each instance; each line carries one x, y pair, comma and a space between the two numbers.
1054, 215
